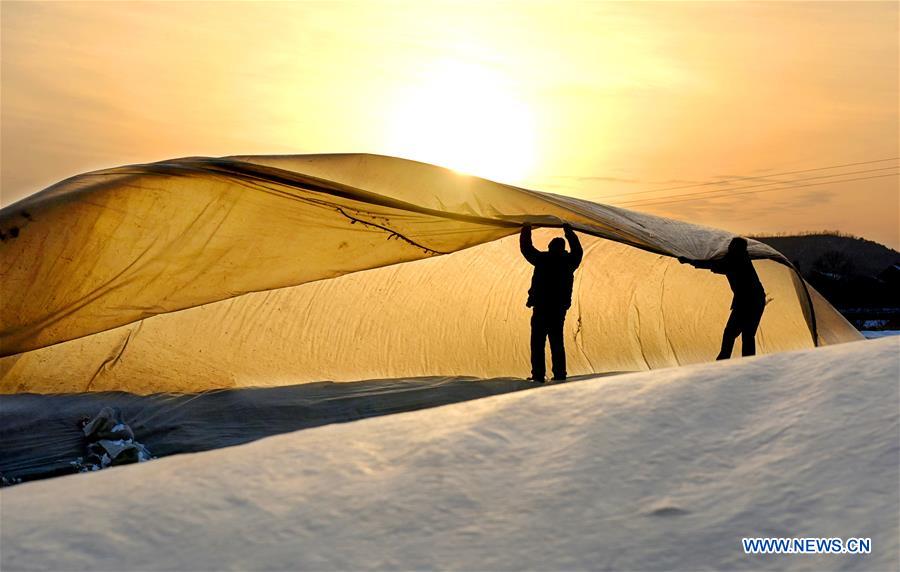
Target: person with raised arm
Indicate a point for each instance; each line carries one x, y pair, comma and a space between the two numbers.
549, 297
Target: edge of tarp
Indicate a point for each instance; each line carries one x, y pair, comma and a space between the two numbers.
258, 173
813, 326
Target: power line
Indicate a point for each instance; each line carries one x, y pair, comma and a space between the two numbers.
731, 190
766, 190
752, 178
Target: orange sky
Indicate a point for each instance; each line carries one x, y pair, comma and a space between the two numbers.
597, 100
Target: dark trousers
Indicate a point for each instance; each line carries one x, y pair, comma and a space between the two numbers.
547, 323
743, 321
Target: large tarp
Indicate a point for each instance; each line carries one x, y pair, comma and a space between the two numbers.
202, 273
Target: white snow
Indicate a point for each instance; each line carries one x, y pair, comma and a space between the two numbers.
875, 334
665, 469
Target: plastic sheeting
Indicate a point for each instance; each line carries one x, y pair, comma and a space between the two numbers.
201, 273
41, 438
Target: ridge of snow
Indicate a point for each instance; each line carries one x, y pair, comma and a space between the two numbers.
666, 469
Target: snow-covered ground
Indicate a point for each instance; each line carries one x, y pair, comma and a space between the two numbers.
875, 334
665, 469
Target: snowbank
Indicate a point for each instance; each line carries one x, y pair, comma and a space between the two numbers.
666, 469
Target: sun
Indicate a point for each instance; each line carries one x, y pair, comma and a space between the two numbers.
467, 118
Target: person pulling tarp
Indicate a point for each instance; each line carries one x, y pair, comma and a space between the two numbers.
749, 296
549, 297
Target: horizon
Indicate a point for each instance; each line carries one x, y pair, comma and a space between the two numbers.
667, 108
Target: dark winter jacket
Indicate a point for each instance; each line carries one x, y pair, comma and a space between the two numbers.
741, 275
554, 273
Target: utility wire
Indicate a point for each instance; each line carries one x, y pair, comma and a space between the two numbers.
712, 192
764, 190
751, 178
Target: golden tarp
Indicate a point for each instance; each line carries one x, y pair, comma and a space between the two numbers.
202, 273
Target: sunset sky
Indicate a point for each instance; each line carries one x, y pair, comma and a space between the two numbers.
595, 100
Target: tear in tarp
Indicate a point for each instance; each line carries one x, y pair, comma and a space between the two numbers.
200, 273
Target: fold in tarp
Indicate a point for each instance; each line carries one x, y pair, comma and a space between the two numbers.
199, 272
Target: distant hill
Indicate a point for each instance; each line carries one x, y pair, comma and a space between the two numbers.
859, 277
867, 258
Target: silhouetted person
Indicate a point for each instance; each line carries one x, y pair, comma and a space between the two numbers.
549, 297
749, 297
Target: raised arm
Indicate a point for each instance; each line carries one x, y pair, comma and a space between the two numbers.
717, 265
576, 252
526, 246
